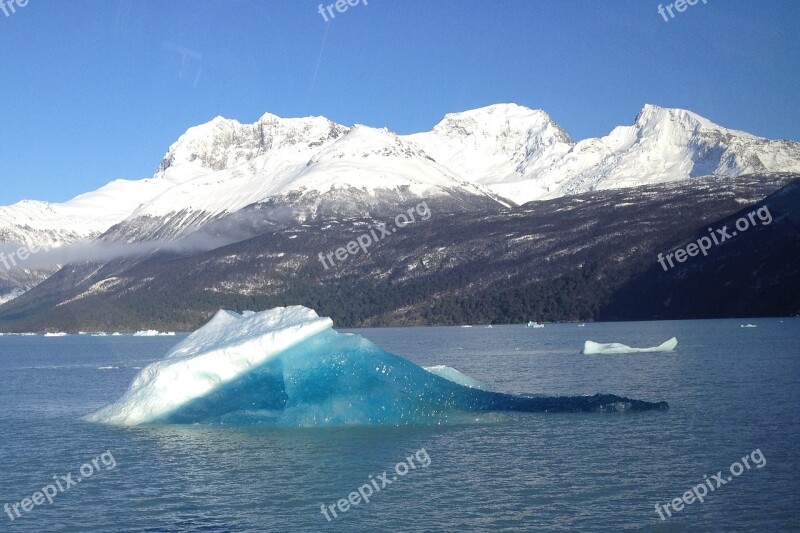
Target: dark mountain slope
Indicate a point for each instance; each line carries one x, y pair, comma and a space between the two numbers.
583, 257
752, 273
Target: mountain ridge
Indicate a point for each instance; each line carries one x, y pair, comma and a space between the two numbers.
300, 169
512, 153
575, 258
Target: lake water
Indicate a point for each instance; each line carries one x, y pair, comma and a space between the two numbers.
731, 391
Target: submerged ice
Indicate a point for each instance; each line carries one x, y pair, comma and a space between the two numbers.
289, 367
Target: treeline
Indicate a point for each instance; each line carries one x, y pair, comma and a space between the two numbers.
352, 302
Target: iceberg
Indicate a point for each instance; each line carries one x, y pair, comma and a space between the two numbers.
451, 374
154, 333
288, 367
597, 348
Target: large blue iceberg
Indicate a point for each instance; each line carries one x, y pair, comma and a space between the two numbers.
289, 367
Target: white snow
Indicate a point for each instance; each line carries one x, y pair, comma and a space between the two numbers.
49, 225
522, 155
506, 152
15, 293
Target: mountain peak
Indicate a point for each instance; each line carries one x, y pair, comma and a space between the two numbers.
269, 117
494, 119
651, 115
225, 143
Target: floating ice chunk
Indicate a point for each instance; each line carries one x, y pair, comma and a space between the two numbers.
597, 348
226, 348
154, 333
288, 367
451, 374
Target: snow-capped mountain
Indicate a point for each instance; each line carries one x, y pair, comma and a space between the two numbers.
522, 155
48, 225
499, 156
309, 167
496, 144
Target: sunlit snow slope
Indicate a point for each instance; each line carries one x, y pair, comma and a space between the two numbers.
494, 156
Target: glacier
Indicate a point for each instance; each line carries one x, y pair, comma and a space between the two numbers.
598, 348
288, 367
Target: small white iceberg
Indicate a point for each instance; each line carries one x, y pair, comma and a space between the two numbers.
748, 326
154, 333
597, 348
451, 374
59, 334
533, 324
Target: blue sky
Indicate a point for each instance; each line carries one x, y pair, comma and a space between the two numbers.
96, 90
